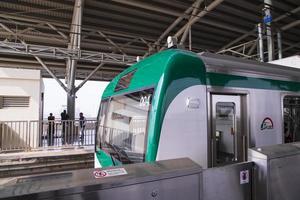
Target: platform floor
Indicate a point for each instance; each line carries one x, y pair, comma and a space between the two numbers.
9, 157
45, 161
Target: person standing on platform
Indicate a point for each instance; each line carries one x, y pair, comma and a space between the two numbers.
82, 123
64, 116
51, 122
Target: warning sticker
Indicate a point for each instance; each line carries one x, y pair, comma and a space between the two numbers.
244, 177
109, 172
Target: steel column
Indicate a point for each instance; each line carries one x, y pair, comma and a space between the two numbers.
252, 32
279, 45
260, 43
71, 95
75, 37
270, 42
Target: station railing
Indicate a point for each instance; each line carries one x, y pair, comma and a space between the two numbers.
32, 135
14, 135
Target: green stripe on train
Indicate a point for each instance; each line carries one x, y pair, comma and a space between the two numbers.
226, 80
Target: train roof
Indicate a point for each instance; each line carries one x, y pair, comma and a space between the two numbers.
250, 68
148, 72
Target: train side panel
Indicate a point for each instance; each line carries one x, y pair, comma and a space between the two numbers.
266, 121
184, 128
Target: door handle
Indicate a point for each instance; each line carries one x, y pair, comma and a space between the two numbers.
244, 141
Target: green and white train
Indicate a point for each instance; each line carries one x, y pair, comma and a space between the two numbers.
208, 107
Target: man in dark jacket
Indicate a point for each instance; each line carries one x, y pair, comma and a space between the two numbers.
64, 117
50, 137
82, 123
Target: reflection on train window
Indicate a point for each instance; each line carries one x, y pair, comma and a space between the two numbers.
291, 109
101, 118
123, 133
225, 138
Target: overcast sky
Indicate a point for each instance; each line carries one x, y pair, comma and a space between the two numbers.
87, 101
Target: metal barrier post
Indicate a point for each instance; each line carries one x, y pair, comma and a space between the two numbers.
1, 136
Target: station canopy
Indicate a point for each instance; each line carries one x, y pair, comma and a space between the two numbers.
116, 31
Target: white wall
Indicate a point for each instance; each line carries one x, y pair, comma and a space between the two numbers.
21, 82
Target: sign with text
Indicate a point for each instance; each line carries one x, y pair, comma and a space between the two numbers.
109, 172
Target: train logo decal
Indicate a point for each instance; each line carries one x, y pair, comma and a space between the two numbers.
267, 123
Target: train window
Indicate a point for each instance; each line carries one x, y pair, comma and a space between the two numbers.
225, 140
291, 109
124, 131
101, 118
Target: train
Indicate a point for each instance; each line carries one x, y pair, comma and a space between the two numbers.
205, 106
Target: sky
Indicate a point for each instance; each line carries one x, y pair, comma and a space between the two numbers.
87, 101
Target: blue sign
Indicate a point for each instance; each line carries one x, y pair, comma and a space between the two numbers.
267, 19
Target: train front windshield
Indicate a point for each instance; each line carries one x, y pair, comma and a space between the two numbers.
123, 126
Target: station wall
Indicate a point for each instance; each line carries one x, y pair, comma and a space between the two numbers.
21, 99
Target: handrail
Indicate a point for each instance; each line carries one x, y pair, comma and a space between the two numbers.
36, 134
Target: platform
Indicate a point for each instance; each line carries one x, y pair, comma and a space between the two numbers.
21, 163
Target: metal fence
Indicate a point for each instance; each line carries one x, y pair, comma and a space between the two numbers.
30, 135
14, 135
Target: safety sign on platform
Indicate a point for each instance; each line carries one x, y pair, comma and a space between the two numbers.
109, 172
244, 176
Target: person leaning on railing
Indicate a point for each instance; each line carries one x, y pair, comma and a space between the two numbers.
82, 123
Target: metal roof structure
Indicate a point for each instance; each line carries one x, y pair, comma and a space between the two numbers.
97, 39
119, 30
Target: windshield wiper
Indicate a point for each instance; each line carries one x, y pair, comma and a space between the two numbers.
111, 146
121, 152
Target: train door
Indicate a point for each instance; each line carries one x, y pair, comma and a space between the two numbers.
228, 142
